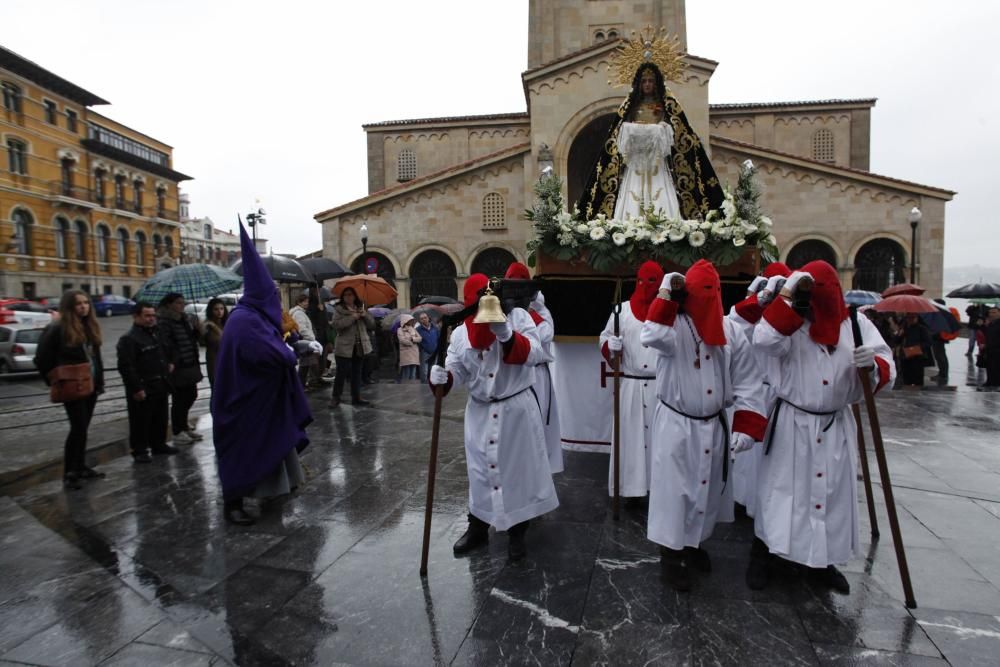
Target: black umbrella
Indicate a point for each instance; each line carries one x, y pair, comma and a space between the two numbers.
976, 291
436, 300
324, 268
282, 269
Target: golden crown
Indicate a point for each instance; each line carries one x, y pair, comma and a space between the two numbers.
649, 46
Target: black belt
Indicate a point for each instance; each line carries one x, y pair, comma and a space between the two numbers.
721, 416
507, 398
773, 420
640, 377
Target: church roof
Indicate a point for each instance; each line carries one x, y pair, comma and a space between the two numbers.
607, 45
816, 165
513, 116
425, 180
758, 106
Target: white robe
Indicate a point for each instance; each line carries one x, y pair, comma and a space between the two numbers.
645, 149
807, 508
687, 496
638, 403
546, 392
509, 476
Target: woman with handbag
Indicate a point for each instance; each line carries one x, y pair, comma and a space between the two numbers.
180, 337
915, 345
69, 358
352, 322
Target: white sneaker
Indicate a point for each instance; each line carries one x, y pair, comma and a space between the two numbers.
194, 435
183, 438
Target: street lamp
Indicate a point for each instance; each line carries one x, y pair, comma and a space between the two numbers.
255, 218
914, 218
364, 248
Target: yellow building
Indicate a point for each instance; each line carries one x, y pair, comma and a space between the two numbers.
85, 202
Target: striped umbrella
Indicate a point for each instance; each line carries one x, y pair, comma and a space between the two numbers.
193, 281
860, 297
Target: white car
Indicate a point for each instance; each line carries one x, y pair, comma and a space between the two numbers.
196, 309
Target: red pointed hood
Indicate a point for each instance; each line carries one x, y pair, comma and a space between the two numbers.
777, 269
480, 336
647, 284
828, 306
704, 302
517, 271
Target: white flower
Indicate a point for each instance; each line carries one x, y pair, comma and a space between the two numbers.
705, 225
618, 238
676, 235
686, 226
582, 228
564, 218
748, 227
629, 232
729, 208
697, 239
567, 239
722, 231
565, 228
765, 222
738, 240
748, 164
771, 240
642, 234
597, 233
660, 237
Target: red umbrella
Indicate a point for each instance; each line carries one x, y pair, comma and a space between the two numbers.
905, 303
904, 288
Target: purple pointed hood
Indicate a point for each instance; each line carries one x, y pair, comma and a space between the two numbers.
259, 291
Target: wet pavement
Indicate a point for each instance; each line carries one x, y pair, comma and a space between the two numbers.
139, 568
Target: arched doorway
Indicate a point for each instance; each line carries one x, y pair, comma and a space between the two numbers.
879, 264
493, 262
810, 250
384, 268
432, 273
583, 154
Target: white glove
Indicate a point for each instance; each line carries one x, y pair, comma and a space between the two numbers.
315, 347
439, 375
774, 285
539, 298
615, 343
756, 285
292, 349
864, 356
667, 279
795, 279
741, 442
502, 330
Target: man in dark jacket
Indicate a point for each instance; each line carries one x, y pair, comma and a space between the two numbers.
142, 363
180, 338
428, 343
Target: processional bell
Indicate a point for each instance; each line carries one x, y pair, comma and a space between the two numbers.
489, 311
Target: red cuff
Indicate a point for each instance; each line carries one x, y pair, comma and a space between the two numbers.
883, 372
445, 387
606, 352
749, 309
518, 352
662, 312
751, 423
781, 316
536, 317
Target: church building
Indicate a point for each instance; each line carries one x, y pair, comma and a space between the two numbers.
447, 195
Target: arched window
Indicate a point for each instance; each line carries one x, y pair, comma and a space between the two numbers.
120, 191
494, 211
23, 223
599, 36
62, 238
103, 236
823, 145
99, 186
157, 244
406, 166
140, 251
67, 166
17, 156
137, 196
11, 97
807, 251
879, 264
612, 34
492, 262
432, 273
80, 240
123, 248
168, 243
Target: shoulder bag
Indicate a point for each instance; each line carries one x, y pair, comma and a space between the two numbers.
70, 382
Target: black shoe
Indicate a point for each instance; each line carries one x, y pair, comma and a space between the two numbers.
831, 577
698, 559
165, 450
142, 457
238, 517
675, 569
71, 480
335, 402
360, 402
477, 535
90, 473
515, 547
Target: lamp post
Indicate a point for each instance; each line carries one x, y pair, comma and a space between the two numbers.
255, 218
914, 217
364, 248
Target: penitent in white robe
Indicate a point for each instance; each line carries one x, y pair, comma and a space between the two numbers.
687, 495
645, 149
545, 390
807, 508
509, 476
638, 403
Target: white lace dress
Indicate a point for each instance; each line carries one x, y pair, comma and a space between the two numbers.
647, 182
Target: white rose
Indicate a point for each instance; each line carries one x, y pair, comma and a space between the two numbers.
697, 239
597, 233
705, 225
582, 228
618, 238
738, 240
642, 234
686, 227
676, 235
629, 232
748, 164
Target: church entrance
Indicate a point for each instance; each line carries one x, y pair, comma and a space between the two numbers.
879, 264
493, 262
808, 251
432, 273
583, 154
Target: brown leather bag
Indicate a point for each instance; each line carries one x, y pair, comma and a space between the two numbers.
913, 351
70, 382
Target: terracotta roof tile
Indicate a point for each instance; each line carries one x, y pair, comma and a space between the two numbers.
515, 115
804, 103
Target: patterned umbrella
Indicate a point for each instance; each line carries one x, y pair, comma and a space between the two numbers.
194, 281
860, 297
903, 288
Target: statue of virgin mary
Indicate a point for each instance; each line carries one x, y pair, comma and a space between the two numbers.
652, 160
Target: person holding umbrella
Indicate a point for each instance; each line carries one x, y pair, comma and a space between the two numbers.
914, 341
352, 323
180, 336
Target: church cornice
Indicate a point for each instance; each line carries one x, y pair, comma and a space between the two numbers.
741, 108
485, 120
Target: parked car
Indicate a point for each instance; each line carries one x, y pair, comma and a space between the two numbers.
112, 304
17, 347
196, 309
29, 312
229, 299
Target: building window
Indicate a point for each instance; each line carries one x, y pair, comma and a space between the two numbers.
168, 243
130, 146
67, 177
108, 289
599, 36
612, 34
137, 196
140, 251
50, 112
123, 249
62, 236
406, 167
823, 145
208, 232
494, 211
71, 120
11, 97
81, 240
161, 202
157, 242
23, 223
99, 186
103, 235
119, 191
127, 291
17, 156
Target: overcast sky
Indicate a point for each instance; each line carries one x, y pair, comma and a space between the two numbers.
264, 99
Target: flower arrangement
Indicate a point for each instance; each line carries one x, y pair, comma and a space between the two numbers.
603, 242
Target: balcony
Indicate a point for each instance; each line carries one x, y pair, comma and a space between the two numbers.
118, 147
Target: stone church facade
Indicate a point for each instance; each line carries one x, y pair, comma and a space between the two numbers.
447, 195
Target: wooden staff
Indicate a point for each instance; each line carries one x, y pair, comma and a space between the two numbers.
883, 466
865, 473
616, 364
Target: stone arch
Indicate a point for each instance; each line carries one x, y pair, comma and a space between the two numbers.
492, 261
806, 248
432, 272
386, 267
878, 264
519, 257
572, 129
384, 253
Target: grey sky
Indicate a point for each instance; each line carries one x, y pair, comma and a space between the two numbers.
264, 99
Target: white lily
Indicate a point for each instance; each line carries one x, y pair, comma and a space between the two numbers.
618, 238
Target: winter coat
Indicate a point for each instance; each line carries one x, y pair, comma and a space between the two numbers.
180, 338
142, 361
303, 322
211, 336
409, 342
350, 330
52, 351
